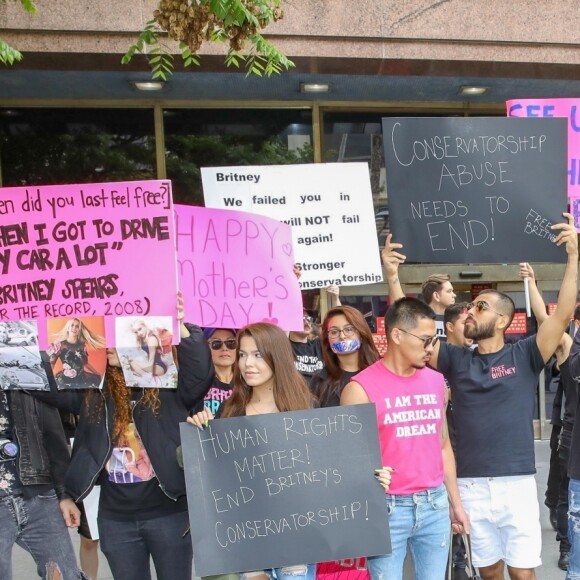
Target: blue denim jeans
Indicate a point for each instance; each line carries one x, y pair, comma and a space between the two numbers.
128, 545
420, 521
37, 525
574, 529
300, 572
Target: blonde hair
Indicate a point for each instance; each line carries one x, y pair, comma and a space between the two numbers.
86, 336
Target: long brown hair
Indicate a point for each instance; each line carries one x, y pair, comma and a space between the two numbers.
290, 390
116, 388
367, 353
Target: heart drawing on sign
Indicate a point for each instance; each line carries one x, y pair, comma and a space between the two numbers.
287, 249
271, 320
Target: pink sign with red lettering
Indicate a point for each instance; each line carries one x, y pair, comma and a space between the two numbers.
98, 249
236, 268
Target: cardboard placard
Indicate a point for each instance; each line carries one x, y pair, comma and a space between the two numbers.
284, 489
476, 190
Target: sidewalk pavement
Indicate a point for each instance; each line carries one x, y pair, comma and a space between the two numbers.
24, 568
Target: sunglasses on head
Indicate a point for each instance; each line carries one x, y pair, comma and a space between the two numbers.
481, 305
308, 319
230, 343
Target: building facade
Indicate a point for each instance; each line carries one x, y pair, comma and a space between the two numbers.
71, 112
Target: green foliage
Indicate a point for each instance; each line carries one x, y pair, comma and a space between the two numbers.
29, 159
186, 154
92, 157
8, 54
189, 23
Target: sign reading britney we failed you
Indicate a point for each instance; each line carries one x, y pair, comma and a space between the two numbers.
329, 207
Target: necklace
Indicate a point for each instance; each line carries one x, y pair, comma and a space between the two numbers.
273, 409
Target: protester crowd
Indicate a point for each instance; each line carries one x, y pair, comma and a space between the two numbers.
467, 470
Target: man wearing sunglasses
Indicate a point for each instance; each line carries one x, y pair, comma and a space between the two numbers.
493, 390
418, 471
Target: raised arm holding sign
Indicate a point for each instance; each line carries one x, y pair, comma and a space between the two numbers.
493, 388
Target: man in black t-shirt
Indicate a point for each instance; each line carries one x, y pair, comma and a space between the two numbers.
494, 396
307, 351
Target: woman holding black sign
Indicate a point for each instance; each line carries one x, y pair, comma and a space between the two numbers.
265, 381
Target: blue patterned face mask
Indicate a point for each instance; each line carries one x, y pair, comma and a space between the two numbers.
344, 346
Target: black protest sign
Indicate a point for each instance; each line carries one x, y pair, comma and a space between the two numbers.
284, 489
482, 189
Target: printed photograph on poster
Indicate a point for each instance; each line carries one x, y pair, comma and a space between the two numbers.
19, 333
144, 349
20, 360
129, 462
77, 351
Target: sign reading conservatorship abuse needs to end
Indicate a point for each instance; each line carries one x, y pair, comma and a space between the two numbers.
482, 189
328, 205
284, 489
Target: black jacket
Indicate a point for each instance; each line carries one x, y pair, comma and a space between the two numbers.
159, 432
44, 455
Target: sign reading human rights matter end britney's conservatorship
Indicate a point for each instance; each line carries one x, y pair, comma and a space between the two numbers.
328, 205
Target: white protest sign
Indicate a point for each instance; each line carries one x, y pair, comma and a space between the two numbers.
329, 207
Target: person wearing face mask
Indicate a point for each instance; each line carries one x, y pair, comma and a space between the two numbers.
347, 348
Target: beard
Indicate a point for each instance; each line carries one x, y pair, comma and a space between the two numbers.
477, 333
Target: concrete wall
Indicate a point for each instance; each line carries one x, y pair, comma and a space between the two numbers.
490, 31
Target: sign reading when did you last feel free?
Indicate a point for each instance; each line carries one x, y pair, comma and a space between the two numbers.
329, 207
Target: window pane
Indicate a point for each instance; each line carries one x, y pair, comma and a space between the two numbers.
51, 146
350, 137
196, 138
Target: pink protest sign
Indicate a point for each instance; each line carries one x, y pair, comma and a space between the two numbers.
235, 268
569, 108
99, 249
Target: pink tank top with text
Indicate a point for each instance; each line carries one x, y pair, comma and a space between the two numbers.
410, 414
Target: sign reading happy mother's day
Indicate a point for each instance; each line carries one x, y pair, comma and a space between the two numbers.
236, 268
329, 207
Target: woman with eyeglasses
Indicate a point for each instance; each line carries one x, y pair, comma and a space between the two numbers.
347, 348
222, 343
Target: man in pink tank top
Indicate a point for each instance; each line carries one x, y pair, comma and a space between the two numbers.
419, 467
